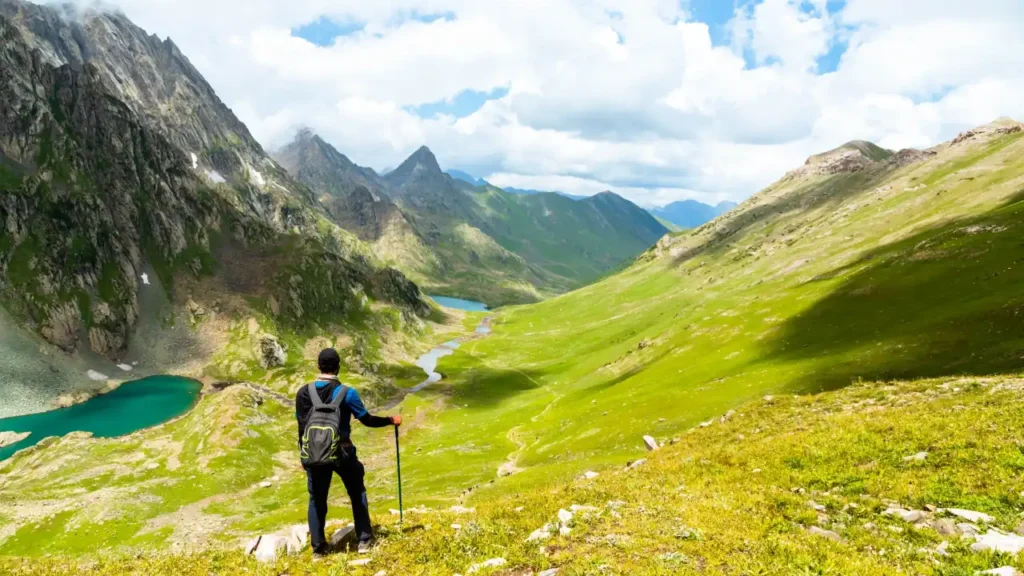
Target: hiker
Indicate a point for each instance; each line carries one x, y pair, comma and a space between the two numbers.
327, 449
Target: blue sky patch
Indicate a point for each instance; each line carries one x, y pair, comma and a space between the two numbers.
323, 31
463, 104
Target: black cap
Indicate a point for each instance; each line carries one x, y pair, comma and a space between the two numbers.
329, 361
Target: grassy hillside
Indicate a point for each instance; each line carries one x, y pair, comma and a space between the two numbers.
873, 271
784, 485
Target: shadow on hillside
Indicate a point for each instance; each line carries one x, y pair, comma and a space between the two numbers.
811, 196
482, 386
949, 300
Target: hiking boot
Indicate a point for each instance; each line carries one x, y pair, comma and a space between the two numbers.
365, 546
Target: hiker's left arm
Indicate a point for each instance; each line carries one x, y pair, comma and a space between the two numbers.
355, 404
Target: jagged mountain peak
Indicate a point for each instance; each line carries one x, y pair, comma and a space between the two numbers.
422, 161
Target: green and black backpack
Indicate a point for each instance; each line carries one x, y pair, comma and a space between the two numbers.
321, 442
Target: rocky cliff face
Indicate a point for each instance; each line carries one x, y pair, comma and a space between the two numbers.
97, 184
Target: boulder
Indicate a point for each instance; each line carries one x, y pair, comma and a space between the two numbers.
269, 547
590, 475
298, 538
651, 443
997, 541
970, 515
269, 352
967, 529
340, 535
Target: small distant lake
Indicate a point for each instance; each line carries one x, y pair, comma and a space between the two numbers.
460, 304
133, 406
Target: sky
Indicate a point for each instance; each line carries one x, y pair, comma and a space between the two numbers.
657, 100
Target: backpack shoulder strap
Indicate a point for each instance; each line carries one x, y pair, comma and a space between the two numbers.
314, 396
340, 397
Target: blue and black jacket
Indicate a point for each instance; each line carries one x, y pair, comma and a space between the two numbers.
351, 407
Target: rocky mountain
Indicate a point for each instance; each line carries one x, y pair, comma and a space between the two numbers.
691, 213
120, 169
472, 240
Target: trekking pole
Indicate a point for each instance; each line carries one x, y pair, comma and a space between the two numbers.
398, 457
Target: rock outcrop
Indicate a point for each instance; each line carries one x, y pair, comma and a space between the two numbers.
8, 438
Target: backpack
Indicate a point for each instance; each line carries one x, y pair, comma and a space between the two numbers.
321, 442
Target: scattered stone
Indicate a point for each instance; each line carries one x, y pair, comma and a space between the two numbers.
769, 399
905, 515
967, 529
636, 464
997, 541
756, 471
799, 491
539, 535
1019, 530
941, 548
462, 510
1002, 571
661, 419
492, 563
971, 516
565, 517
651, 443
944, 526
96, 376
814, 505
686, 533
8, 438
725, 417
339, 536
919, 457
564, 531
590, 475
708, 423
869, 525
381, 573
360, 562
895, 529
265, 484
152, 466
125, 367
456, 526
825, 534
549, 572
930, 507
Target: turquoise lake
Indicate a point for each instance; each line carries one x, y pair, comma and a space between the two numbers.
460, 304
133, 406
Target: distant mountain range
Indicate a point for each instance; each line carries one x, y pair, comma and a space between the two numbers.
456, 234
691, 213
678, 215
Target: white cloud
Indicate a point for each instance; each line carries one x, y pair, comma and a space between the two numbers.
629, 95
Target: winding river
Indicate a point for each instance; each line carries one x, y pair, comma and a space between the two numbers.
428, 362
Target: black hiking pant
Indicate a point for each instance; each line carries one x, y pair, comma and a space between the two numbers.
318, 483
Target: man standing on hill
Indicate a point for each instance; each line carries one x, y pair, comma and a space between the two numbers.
326, 448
